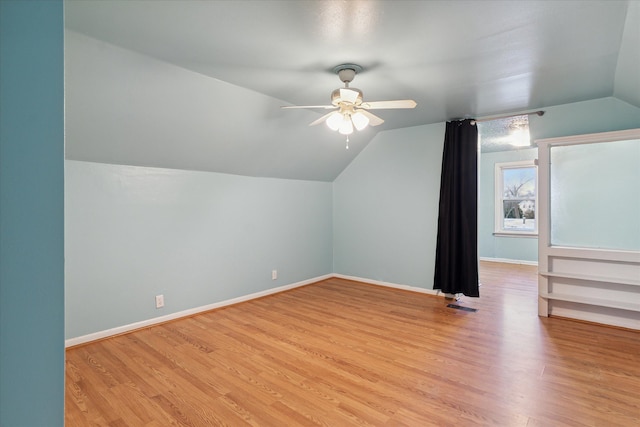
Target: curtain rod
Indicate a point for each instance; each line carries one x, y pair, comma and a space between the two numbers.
487, 119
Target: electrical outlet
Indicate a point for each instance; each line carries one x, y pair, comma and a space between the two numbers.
274, 274
159, 301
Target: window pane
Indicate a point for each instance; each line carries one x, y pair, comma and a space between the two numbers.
518, 199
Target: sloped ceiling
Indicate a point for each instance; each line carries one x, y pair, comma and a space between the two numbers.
199, 84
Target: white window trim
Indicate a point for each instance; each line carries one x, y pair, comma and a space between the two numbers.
497, 214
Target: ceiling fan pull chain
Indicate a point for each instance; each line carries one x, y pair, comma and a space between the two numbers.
347, 142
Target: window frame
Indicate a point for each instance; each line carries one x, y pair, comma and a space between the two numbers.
499, 229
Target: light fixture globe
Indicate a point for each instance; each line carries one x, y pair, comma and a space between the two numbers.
334, 120
360, 121
346, 127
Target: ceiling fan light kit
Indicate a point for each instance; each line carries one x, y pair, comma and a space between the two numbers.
334, 120
346, 127
360, 121
351, 110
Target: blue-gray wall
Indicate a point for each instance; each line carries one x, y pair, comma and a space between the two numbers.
31, 214
198, 238
385, 207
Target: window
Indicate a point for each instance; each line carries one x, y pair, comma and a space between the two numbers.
516, 210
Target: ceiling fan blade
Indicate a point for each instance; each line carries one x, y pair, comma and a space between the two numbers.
321, 119
289, 107
373, 119
349, 95
378, 105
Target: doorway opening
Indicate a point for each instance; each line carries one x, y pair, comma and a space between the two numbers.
507, 200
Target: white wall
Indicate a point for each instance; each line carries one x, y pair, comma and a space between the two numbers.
196, 237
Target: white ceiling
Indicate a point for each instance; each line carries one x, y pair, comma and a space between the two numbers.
239, 61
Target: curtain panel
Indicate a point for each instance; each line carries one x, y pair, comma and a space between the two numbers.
456, 268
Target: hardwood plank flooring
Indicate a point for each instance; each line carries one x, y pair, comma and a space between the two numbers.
342, 353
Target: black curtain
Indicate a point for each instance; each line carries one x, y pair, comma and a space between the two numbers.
457, 245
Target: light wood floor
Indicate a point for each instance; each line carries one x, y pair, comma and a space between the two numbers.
341, 353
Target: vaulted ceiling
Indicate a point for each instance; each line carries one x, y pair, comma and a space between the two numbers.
199, 84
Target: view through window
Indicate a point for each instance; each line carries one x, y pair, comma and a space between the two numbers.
515, 181
516, 185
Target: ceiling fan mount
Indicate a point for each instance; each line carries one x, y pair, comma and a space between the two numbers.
347, 72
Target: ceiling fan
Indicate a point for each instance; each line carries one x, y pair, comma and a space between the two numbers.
350, 109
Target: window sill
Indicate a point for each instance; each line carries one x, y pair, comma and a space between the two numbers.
515, 234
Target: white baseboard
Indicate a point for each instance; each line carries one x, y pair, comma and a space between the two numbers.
390, 285
509, 261
185, 313
190, 312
